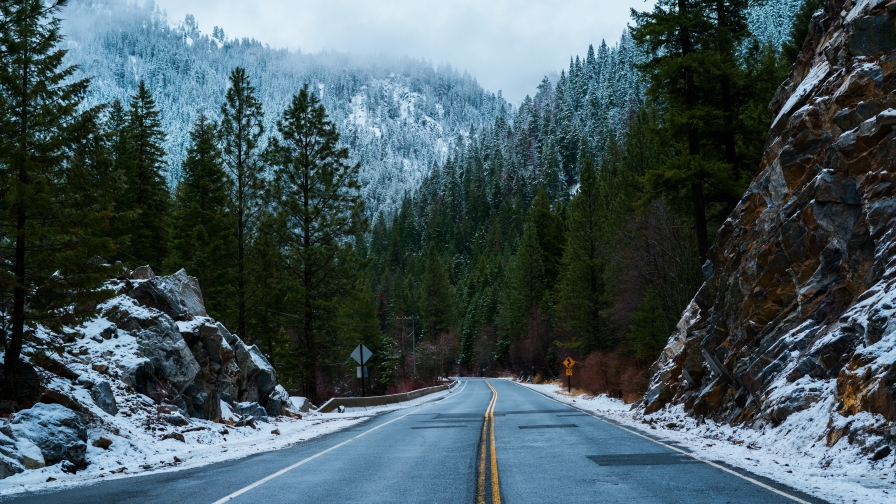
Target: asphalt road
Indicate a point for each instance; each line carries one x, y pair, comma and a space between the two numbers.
489, 441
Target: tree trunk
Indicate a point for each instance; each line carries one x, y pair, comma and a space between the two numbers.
14, 346
241, 226
694, 142
309, 369
727, 102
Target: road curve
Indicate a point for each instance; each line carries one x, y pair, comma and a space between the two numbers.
490, 441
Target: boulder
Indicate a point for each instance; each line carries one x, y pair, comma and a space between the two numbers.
277, 401
300, 404
258, 376
50, 396
104, 398
161, 342
57, 431
251, 409
143, 273
177, 436
176, 420
31, 455
178, 296
9, 466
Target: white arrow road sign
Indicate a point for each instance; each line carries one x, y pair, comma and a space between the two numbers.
359, 351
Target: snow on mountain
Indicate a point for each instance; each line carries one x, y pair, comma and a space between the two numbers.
398, 116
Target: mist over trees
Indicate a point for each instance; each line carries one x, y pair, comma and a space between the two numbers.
397, 116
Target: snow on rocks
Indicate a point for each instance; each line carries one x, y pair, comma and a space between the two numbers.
794, 453
151, 383
795, 320
57, 431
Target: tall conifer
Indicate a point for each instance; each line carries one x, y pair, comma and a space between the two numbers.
203, 241
319, 207
51, 201
240, 131
147, 194
581, 294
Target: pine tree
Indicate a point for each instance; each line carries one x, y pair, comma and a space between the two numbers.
728, 38
52, 200
548, 226
581, 294
526, 286
147, 194
678, 36
120, 153
202, 226
799, 30
437, 295
319, 207
648, 333
240, 131
270, 310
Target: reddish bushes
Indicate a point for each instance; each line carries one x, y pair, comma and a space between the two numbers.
613, 375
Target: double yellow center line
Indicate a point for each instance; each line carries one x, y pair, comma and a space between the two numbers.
488, 459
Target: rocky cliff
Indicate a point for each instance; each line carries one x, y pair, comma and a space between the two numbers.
798, 306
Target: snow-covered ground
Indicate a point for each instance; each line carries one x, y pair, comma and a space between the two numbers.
794, 453
137, 451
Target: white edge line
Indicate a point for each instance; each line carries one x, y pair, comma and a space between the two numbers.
709, 462
328, 450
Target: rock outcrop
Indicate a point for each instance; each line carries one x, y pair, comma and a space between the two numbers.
800, 293
152, 357
186, 359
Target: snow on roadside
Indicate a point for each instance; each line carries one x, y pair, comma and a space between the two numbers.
794, 453
140, 451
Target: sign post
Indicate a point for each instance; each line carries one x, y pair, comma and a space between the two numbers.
569, 363
362, 354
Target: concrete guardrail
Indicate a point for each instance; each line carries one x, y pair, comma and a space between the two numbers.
368, 402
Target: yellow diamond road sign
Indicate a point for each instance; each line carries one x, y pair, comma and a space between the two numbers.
569, 363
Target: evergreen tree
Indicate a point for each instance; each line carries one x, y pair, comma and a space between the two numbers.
728, 38
269, 315
147, 195
648, 333
581, 293
683, 67
525, 289
202, 240
548, 226
319, 206
240, 131
51, 200
120, 153
437, 296
799, 30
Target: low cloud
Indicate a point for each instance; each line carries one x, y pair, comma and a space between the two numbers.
508, 45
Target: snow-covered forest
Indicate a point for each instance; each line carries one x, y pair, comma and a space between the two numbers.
398, 116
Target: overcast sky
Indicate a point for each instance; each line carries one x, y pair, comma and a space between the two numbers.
508, 45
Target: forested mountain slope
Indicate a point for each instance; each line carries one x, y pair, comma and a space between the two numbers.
398, 116
541, 230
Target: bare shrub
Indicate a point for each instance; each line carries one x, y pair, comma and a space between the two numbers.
611, 374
